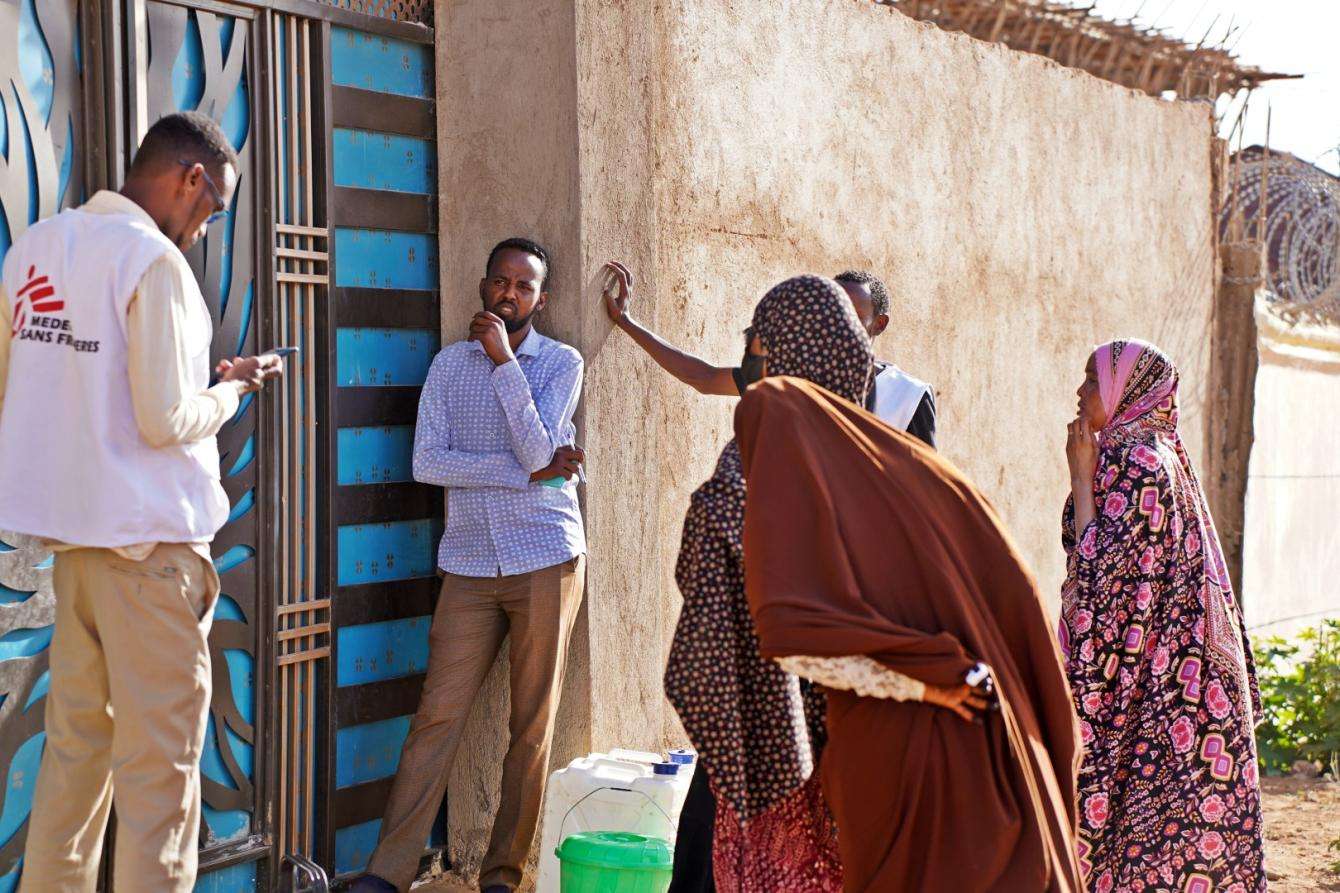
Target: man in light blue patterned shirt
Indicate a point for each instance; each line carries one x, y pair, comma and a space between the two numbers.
495, 429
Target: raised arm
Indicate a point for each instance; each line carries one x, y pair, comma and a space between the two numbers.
695, 372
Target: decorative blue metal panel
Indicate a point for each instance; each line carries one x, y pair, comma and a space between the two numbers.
376, 652
354, 846
377, 553
229, 824
237, 879
387, 161
370, 751
383, 357
390, 355
202, 60
379, 258
40, 134
375, 455
383, 64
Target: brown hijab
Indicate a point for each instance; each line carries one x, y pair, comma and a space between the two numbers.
860, 541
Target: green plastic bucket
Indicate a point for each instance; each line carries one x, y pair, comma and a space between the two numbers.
614, 862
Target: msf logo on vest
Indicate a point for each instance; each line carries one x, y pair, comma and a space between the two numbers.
34, 304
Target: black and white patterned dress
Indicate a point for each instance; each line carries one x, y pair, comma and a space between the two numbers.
756, 730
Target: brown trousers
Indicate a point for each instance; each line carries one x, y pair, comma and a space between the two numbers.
130, 686
473, 617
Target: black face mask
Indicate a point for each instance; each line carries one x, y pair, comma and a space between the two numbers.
751, 367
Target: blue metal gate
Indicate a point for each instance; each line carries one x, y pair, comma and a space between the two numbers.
326, 561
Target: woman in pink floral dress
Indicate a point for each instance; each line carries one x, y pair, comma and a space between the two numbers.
1158, 661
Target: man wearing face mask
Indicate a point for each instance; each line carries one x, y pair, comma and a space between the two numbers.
107, 452
897, 398
495, 429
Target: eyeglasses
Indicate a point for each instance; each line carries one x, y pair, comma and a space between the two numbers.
214, 191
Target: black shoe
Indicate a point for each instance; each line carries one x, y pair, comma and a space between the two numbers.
370, 883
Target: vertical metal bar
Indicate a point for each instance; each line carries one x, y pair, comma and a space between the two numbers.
294, 456
295, 751
137, 61
92, 100
281, 302
114, 73
266, 241
296, 216
327, 445
311, 466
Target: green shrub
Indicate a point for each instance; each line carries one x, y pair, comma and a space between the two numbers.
1300, 699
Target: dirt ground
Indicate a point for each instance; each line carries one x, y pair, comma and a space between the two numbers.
1302, 818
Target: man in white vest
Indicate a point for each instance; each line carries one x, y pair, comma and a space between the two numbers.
902, 401
107, 452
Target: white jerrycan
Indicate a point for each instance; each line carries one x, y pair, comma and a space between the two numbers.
665, 790
594, 793
624, 790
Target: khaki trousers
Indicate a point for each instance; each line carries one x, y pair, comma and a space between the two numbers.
130, 686
473, 617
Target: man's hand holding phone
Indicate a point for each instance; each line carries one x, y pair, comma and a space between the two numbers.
250, 373
566, 464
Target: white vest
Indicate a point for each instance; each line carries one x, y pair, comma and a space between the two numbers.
73, 466
897, 396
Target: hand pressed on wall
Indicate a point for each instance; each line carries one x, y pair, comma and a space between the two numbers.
617, 300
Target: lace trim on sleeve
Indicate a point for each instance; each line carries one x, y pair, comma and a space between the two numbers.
856, 673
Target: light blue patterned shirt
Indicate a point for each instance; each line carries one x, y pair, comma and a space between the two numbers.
482, 430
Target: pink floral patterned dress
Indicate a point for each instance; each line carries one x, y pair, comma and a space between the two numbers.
1158, 661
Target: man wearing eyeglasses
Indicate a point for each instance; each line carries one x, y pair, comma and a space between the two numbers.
107, 453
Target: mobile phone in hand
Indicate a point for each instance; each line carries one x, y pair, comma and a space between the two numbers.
281, 352
979, 677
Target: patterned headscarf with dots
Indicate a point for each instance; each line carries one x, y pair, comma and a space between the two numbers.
811, 331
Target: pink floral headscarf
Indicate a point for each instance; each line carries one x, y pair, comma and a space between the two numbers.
1135, 379
1138, 385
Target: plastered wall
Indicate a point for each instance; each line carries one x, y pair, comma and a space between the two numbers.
1019, 212
1291, 554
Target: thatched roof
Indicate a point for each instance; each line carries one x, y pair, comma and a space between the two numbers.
1118, 51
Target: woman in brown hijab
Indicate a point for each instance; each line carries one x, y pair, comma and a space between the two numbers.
756, 730
866, 553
